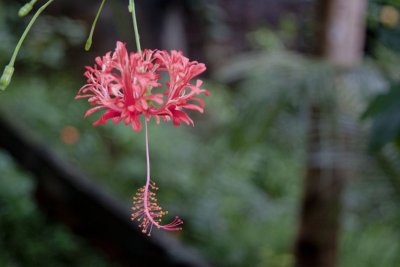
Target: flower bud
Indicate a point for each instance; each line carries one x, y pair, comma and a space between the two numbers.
6, 77
88, 43
130, 7
25, 9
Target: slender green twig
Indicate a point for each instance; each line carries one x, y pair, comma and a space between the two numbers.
89, 40
135, 26
21, 40
9, 69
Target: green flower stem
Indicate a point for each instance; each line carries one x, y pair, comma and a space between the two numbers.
21, 40
89, 40
135, 26
9, 69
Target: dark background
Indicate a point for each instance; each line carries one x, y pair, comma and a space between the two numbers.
295, 158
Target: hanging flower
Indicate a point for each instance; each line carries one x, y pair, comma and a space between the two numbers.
128, 85
124, 83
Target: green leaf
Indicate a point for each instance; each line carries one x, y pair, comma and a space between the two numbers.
383, 103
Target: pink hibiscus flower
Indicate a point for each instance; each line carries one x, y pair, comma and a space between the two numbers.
123, 84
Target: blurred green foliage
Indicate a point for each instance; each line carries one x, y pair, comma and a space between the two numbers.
383, 23
385, 109
27, 237
235, 178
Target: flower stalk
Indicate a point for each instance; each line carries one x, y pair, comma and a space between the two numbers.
89, 40
145, 207
9, 69
135, 26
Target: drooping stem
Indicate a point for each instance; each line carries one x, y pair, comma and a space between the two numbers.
89, 40
21, 40
145, 207
147, 186
146, 210
135, 26
9, 69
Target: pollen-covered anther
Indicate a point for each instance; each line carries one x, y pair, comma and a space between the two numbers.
148, 213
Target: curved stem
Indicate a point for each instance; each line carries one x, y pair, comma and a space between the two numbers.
135, 26
8, 72
174, 225
147, 186
146, 192
150, 207
21, 40
89, 40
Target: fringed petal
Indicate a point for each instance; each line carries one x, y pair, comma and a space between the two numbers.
107, 115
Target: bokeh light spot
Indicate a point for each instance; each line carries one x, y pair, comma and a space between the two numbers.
70, 135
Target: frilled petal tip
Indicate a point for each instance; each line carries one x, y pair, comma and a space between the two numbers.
109, 114
179, 116
92, 110
136, 124
193, 107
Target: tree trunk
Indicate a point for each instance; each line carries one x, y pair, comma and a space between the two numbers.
317, 239
341, 34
